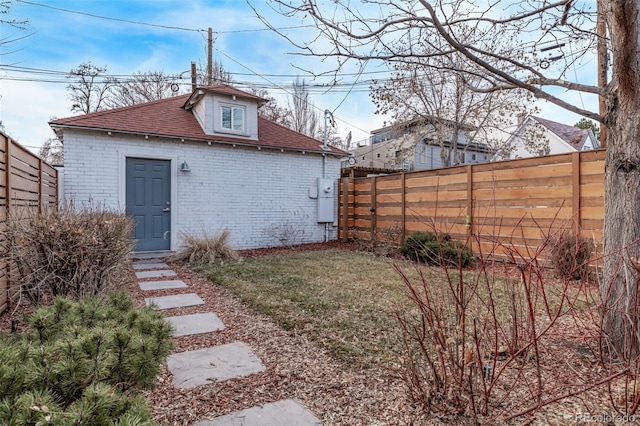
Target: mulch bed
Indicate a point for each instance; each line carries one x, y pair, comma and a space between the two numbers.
336, 393
295, 368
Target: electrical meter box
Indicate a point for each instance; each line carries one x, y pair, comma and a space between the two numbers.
326, 200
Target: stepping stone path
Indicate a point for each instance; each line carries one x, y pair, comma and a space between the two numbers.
286, 412
215, 364
220, 363
162, 285
175, 301
195, 324
155, 274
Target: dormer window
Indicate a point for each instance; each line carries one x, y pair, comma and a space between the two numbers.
233, 118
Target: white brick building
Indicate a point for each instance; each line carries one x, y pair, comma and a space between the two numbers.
199, 164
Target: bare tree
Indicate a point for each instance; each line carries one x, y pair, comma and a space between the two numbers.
52, 152
271, 110
143, 87
89, 88
303, 117
92, 89
5, 6
220, 74
501, 37
452, 108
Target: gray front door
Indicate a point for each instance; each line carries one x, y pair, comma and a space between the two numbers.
148, 197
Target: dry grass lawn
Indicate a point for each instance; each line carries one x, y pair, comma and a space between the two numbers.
342, 300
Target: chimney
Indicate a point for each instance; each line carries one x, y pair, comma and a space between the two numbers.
194, 77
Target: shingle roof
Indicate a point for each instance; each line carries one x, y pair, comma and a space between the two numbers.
574, 136
167, 117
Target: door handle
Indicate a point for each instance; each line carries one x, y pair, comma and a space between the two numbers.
166, 210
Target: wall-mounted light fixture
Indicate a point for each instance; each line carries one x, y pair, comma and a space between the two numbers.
184, 167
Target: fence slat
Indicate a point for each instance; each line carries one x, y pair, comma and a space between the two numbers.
26, 182
517, 198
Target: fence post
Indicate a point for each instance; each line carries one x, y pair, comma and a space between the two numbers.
373, 209
40, 185
403, 182
345, 209
8, 185
575, 186
469, 218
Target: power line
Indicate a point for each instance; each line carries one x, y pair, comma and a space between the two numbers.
285, 90
59, 9
148, 24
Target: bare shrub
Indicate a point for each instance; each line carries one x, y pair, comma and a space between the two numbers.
69, 251
205, 248
492, 347
388, 240
570, 256
290, 231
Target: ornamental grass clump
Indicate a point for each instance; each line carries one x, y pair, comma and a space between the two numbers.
75, 252
83, 363
205, 248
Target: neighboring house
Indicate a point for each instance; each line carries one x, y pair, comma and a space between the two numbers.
202, 163
416, 147
537, 136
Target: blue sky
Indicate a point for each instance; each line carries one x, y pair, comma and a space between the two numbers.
58, 40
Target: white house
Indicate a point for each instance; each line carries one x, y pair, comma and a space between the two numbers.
537, 136
416, 147
201, 163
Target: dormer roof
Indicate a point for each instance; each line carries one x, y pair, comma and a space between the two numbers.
222, 89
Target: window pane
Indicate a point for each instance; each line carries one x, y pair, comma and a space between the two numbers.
226, 118
238, 119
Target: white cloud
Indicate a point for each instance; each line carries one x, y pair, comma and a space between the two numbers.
27, 107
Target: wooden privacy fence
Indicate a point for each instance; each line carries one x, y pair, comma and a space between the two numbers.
516, 203
27, 184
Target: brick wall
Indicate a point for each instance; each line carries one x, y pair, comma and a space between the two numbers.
257, 194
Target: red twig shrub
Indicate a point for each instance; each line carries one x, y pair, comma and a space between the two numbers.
490, 346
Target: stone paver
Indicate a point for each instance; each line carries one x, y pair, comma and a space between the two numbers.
185, 325
175, 301
155, 274
161, 285
280, 413
150, 265
219, 363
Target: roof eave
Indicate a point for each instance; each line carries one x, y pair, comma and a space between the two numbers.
319, 150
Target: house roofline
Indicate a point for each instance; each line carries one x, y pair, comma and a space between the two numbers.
420, 121
207, 140
222, 89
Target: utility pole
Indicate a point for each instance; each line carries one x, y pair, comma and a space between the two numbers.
601, 33
210, 58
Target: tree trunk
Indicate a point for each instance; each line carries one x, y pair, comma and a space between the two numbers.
622, 185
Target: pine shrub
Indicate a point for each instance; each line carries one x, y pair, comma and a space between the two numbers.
68, 251
82, 363
570, 256
435, 249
